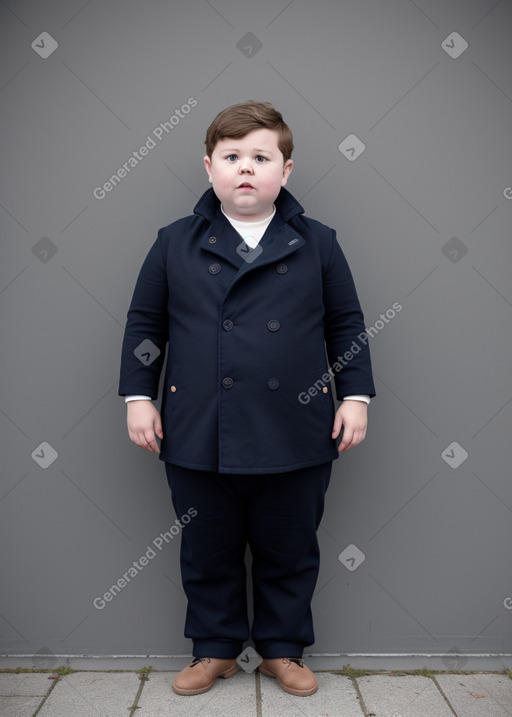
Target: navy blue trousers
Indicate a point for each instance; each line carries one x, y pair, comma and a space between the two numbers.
277, 515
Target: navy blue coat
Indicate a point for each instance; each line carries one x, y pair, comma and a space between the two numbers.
247, 387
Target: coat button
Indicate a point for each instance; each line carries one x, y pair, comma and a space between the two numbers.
273, 325
173, 389
281, 268
212, 240
227, 325
325, 389
227, 382
273, 384
214, 268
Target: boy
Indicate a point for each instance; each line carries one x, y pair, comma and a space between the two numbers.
250, 295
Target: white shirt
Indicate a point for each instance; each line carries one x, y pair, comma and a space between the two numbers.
251, 232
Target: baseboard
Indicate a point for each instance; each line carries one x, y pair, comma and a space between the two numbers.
450, 662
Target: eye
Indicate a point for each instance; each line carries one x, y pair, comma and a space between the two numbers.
231, 157
260, 159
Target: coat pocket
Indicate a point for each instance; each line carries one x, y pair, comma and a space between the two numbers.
172, 388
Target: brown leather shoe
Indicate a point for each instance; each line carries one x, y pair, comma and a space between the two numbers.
199, 676
292, 674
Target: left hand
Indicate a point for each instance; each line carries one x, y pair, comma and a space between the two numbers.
352, 416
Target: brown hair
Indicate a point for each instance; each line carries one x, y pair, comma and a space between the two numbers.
238, 120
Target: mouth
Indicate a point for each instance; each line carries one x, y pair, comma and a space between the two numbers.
245, 185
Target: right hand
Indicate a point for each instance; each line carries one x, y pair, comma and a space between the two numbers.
144, 424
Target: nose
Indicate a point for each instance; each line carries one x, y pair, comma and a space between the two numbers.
245, 166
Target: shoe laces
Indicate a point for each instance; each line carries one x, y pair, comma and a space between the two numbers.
198, 660
298, 661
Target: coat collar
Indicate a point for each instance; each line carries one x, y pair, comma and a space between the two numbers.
279, 240
286, 205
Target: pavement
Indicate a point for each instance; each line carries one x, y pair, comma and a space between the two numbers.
249, 694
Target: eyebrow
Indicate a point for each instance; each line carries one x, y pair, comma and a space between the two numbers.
237, 149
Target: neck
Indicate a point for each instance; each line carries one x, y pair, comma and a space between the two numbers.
249, 220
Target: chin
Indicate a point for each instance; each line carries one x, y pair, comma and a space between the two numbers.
245, 208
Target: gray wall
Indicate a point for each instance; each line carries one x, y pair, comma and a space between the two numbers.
421, 513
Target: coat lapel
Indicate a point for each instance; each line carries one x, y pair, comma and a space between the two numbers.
274, 246
222, 239
279, 240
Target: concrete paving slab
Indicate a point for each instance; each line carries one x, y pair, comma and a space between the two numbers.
92, 694
24, 684
336, 697
106, 694
235, 696
402, 696
460, 691
22, 706
20, 695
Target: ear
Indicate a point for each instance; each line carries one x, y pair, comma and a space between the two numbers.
208, 166
287, 168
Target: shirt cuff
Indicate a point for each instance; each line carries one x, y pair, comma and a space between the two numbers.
136, 398
359, 397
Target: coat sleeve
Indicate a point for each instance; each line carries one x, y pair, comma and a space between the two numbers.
345, 335
146, 332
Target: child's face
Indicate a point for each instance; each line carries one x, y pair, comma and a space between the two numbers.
247, 174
